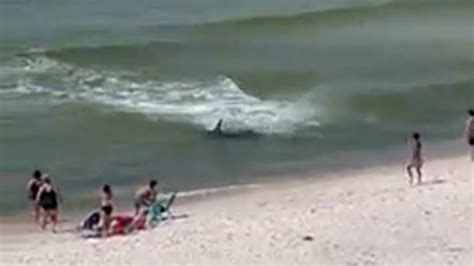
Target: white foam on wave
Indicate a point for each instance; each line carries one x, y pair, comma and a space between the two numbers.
198, 102
216, 190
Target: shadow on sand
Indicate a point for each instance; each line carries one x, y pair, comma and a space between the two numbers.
433, 182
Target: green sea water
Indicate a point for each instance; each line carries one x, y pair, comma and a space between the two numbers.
118, 92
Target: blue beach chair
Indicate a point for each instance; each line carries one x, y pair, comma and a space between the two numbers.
160, 211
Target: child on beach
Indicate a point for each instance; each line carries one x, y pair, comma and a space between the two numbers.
469, 132
416, 160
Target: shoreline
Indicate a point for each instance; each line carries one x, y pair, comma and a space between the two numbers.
365, 216
340, 162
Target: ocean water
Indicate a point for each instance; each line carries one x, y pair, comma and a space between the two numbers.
121, 91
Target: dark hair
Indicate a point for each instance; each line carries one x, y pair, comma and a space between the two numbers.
153, 183
416, 135
107, 189
47, 180
470, 112
37, 174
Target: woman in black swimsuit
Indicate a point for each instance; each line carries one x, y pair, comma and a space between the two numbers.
33, 187
106, 209
106, 196
47, 199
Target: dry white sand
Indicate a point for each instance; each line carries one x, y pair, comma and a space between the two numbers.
358, 217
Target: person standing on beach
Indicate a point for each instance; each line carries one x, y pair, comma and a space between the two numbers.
469, 132
416, 160
145, 196
105, 221
47, 199
106, 196
106, 208
33, 187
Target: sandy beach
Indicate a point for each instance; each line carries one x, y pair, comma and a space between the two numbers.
354, 217
284, 127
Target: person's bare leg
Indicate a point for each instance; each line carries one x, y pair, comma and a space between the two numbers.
44, 220
410, 174
472, 153
36, 213
419, 173
54, 220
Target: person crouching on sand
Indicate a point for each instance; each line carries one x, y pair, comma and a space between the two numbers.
145, 196
416, 160
33, 187
469, 133
47, 199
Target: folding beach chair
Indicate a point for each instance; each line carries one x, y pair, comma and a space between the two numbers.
159, 211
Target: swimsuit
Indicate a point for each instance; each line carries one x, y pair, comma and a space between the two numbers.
106, 204
48, 200
34, 188
108, 209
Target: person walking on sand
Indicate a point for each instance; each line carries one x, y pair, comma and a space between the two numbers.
47, 199
469, 133
416, 160
145, 196
33, 187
